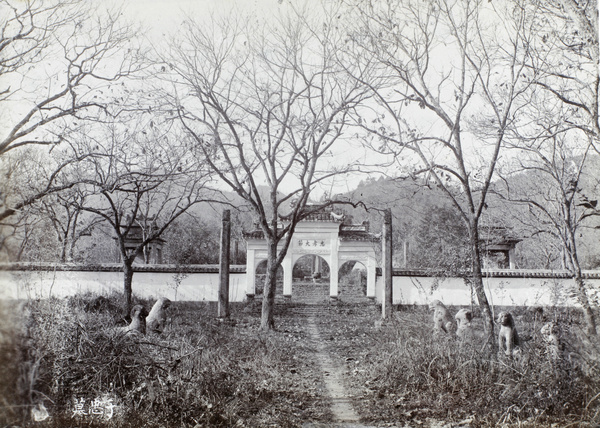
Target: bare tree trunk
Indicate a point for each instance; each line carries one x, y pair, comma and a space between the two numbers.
127, 281
267, 321
63, 252
70, 251
488, 319
223, 306
582, 296
588, 312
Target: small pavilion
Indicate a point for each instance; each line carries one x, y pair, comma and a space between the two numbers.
499, 248
322, 233
152, 250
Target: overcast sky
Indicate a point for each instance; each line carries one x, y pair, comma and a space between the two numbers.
164, 16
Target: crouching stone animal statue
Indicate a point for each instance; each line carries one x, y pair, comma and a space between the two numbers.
157, 319
508, 338
442, 320
463, 321
137, 324
552, 340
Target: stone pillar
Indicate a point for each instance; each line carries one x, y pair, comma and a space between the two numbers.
511, 258
250, 273
223, 306
388, 299
371, 277
287, 266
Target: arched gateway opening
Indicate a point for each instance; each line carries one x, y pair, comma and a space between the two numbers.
310, 279
324, 234
352, 281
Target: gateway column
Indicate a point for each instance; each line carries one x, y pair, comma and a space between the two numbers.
334, 265
250, 273
287, 276
371, 277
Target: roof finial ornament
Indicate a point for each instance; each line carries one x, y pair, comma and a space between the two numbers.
337, 217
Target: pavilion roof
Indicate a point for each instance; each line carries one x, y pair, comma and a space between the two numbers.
253, 234
357, 232
498, 236
318, 213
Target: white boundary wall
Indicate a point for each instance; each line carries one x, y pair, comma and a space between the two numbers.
199, 283
503, 288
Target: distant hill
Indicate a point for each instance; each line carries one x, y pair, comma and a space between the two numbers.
426, 223
427, 231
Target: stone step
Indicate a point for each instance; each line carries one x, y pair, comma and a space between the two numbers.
304, 309
317, 292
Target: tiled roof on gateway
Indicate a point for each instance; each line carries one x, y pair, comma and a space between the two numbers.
347, 232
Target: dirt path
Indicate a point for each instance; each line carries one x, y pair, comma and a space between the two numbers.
327, 333
333, 374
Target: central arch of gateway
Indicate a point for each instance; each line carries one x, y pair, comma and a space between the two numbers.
324, 234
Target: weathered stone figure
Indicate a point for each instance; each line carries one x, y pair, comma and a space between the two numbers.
508, 338
442, 320
157, 319
138, 321
463, 320
551, 336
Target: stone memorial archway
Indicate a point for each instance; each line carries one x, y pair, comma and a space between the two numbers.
323, 234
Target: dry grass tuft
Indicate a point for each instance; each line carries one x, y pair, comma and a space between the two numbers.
55, 353
411, 374
199, 371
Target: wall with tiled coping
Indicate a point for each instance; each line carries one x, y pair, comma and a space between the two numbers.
503, 288
192, 283
200, 283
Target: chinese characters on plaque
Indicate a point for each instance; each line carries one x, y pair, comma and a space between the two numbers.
312, 243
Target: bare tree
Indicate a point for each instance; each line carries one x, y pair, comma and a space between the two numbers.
267, 105
555, 155
53, 224
451, 78
139, 176
566, 59
27, 173
58, 59
68, 221
558, 202
28, 239
559, 127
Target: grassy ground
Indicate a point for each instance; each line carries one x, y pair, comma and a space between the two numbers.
399, 372
200, 371
206, 372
